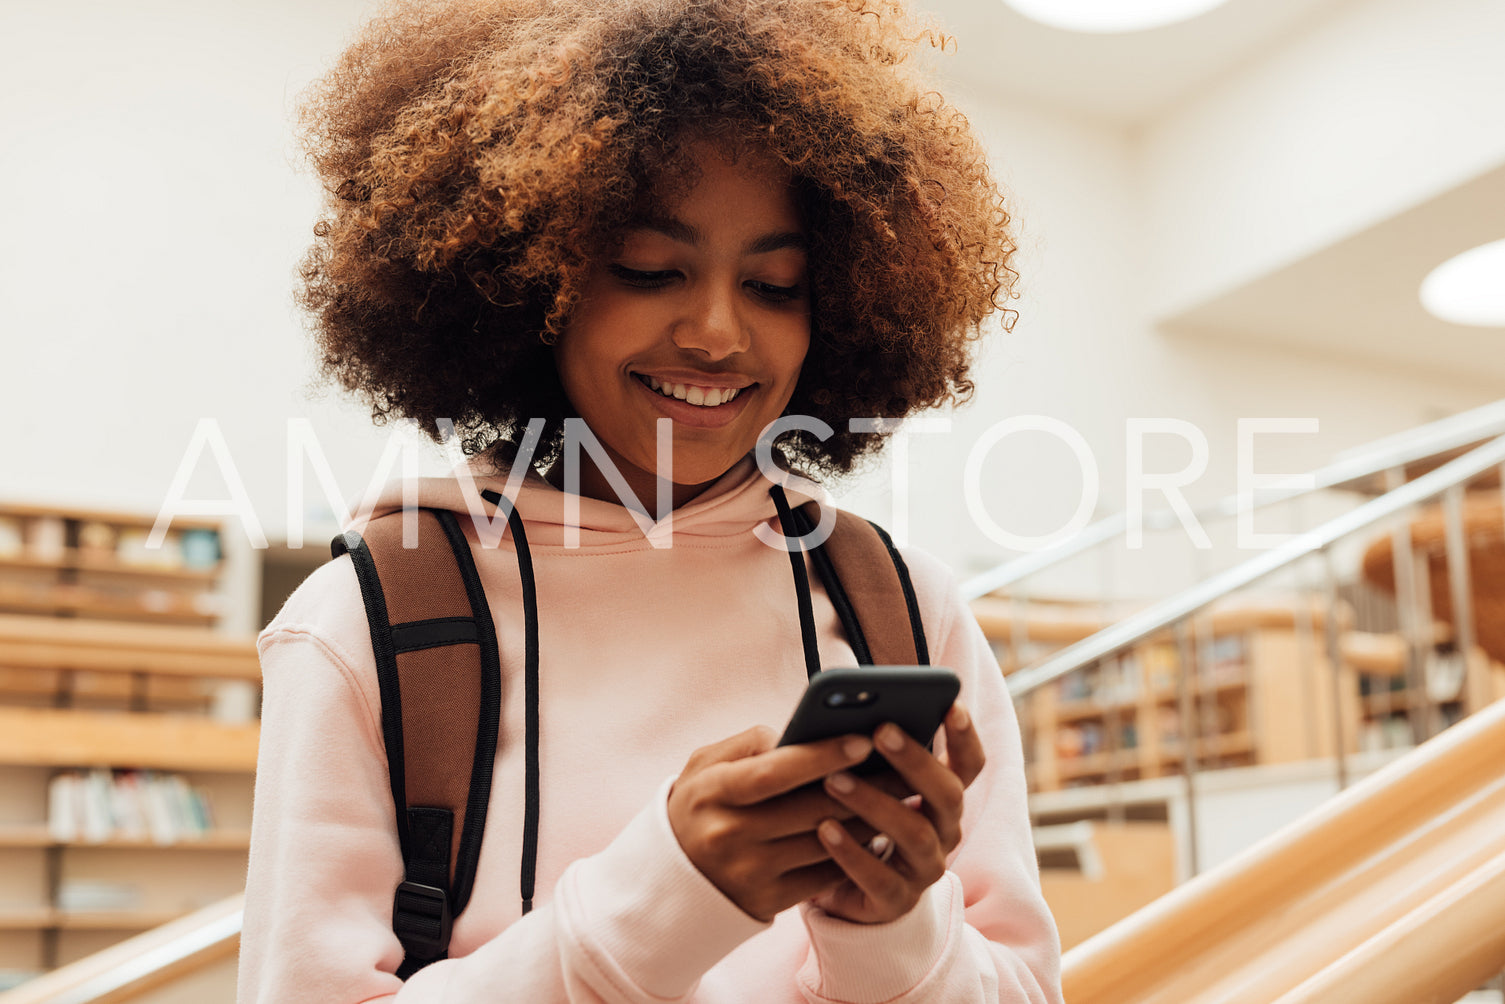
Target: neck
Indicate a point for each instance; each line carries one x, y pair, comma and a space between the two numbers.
643, 484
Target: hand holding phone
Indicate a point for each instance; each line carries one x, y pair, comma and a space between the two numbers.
741, 808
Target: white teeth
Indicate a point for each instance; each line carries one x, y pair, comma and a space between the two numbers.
704, 397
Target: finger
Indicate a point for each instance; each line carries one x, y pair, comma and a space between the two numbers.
889, 891
812, 880
786, 768
801, 850
890, 782
914, 833
964, 752
749, 742
798, 811
939, 788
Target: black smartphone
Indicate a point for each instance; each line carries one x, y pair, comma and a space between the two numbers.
858, 699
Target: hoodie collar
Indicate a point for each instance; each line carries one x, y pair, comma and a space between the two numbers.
730, 506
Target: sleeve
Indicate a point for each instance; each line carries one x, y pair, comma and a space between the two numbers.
983, 932
632, 924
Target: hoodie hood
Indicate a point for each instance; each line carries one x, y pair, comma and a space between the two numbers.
731, 506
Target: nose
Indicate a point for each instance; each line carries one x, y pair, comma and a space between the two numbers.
712, 324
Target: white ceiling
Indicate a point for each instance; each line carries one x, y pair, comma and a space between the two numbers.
1359, 297
1124, 79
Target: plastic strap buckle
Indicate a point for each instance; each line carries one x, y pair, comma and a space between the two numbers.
421, 919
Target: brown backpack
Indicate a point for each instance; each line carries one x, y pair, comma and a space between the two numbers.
439, 675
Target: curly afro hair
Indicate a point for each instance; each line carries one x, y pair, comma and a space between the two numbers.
476, 153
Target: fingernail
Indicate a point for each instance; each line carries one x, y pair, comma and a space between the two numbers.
856, 748
842, 783
959, 717
830, 832
891, 738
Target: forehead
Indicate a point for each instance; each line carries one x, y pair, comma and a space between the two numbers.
703, 175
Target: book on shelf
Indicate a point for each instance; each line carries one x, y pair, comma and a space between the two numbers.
12, 541
1390, 732
99, 805
1113, 682
79, 895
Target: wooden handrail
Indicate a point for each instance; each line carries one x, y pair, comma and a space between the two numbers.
125, 971
1392, 892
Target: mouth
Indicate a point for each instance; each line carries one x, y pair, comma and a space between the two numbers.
697, 395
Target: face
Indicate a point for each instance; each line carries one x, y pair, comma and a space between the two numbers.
700, 315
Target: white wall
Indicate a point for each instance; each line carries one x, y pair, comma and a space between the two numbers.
157, 219
153, 228
1086, 351
1381, 105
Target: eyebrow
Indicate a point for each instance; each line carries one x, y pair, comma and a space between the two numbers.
679, 230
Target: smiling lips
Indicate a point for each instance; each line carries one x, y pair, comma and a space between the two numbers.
698, 395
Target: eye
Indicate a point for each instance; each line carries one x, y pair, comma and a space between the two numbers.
778, 294
658, 279
643, 280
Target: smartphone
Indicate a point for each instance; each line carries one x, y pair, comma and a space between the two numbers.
858, 699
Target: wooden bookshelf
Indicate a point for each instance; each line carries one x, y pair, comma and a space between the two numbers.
32, 837
80, 695
48, 737
48, 642
86, 920
1251, 700
108, 566
73, 563
1253, 704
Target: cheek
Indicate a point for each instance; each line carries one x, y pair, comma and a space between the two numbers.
796, 349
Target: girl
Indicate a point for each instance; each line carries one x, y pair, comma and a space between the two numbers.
599, 222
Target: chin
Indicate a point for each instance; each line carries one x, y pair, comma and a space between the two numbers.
699, 470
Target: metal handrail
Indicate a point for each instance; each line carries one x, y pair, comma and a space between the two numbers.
1158, 617
1351, 467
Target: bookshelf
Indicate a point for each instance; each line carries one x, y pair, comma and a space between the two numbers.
1252, 700
123, 700
1452, 687
94, 563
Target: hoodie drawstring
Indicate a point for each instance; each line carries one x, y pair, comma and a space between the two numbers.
801, 581
529, 868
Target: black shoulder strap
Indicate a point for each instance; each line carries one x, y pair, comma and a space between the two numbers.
439, 675
867, 582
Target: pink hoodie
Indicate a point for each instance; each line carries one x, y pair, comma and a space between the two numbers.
647, 653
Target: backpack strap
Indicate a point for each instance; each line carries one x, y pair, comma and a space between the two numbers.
439, 675
867, 582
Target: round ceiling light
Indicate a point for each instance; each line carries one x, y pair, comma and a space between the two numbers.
1111, 16
1469, 288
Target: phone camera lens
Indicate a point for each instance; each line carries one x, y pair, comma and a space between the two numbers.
835, 700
